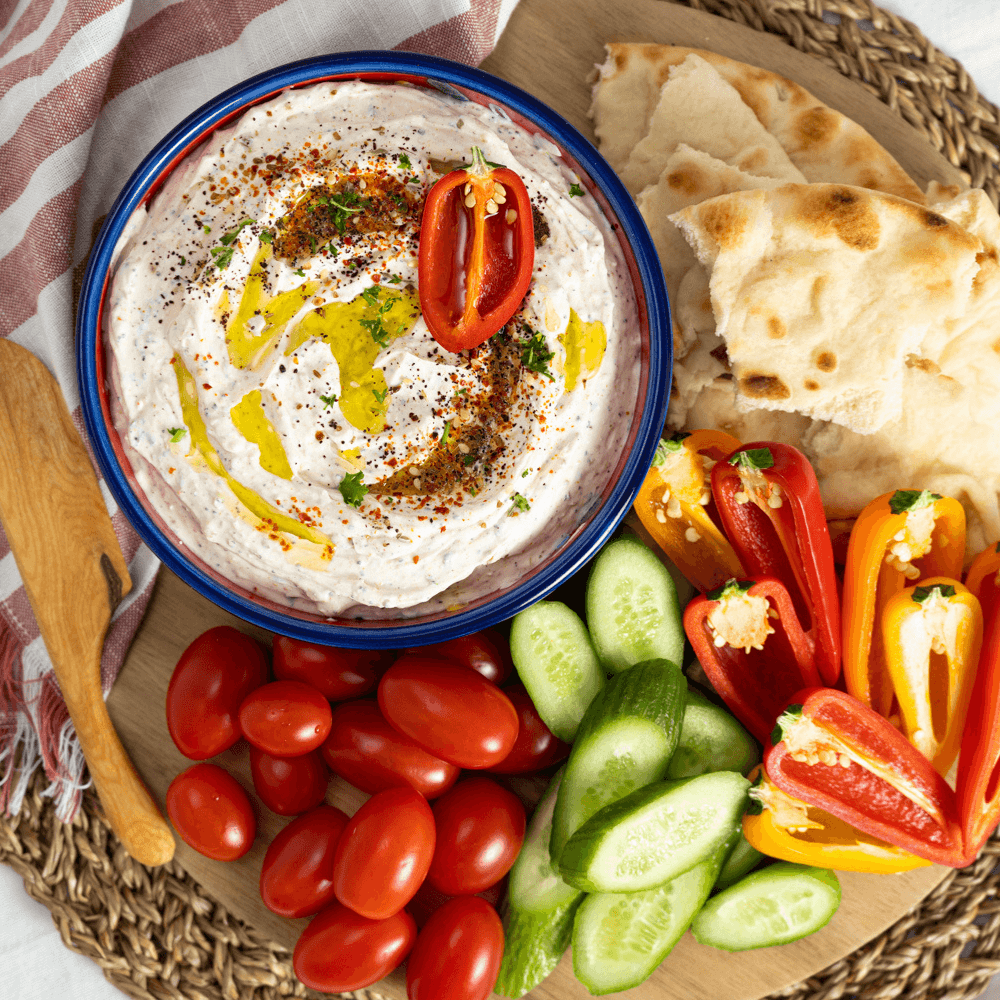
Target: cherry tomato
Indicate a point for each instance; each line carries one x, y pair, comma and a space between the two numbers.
449, 710
296, 879
480, 829
337, 674
341, 951
536, 746
486, 652
289, 785
384, 853
428, 900
285, 718
212, 677
366, 751
457, 954
212, 813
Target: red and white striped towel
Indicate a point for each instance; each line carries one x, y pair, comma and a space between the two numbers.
87, 88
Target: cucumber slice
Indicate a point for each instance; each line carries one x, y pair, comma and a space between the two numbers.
620, 938
781, 903
625, 741
654, 834
711, 740
540, 908
632, 608
556, 662
740, 860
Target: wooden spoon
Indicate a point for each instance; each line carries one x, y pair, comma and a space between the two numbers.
74, 575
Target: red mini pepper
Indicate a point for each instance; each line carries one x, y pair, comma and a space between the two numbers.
750, 644
837, 754
477, 251
978, 787
769, 502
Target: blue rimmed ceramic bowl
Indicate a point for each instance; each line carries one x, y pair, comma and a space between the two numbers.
406, 627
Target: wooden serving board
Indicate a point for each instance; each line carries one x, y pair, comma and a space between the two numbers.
549, 48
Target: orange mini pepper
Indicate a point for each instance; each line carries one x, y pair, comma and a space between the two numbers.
932, 635
675, 507
897, 539
986, 564
783, 827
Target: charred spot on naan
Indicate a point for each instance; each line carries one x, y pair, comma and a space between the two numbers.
924, 364
841, 210
776, 328
825, 361
815, 127
726, 221
811, 384
757, 385
689, 179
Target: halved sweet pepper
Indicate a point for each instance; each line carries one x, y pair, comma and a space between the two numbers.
792, 830
978, 787
771, 509
897, 539
674, 505
751, 646
931, 635
835, 753
983, 576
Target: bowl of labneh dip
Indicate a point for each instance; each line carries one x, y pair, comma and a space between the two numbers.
268, 405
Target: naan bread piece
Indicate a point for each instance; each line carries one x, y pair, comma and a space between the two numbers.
714, 408
824, 144
945, 441
689, 177
821, 291
699, 108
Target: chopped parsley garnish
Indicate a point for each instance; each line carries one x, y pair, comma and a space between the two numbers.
404, 161
380, 396
374, 326
469, 459
207, 229
342, 210
394, 279
183, 261
575, 191
229, 238
299, 272
176, 433
331, 249
370, 295
525, 473
519, 503
329, 400
222, 256
535, 356
353, 489
446, 431
267, 236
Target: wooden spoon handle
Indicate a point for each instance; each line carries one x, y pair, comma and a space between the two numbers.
74, 575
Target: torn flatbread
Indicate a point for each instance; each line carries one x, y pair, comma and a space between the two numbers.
699, 108
824, 144
820, 292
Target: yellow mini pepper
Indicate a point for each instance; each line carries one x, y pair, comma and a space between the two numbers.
985, 564
932, 635
673, 505
783, 827
897, 539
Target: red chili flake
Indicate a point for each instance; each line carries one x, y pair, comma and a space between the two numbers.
441, 510
205, 385
416, 559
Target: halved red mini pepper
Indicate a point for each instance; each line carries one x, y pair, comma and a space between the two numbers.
978, 787
931, 635
792, 830
771, 509
983, 576
675, 507
839, 755
477, 251
897, 539
751, 646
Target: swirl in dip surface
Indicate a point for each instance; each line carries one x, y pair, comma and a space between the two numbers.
284, 407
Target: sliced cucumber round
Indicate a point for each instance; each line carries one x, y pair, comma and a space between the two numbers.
779, 904
711, 740
556, 662
620, 938
625, 741
654, 834
632, 608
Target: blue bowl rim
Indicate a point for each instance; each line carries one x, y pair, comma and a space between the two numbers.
377, 634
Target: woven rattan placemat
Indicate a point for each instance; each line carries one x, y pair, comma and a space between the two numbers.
157, 934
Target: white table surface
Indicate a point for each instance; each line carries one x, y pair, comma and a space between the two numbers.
36, 965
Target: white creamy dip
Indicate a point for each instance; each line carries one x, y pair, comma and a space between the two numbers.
267, 343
